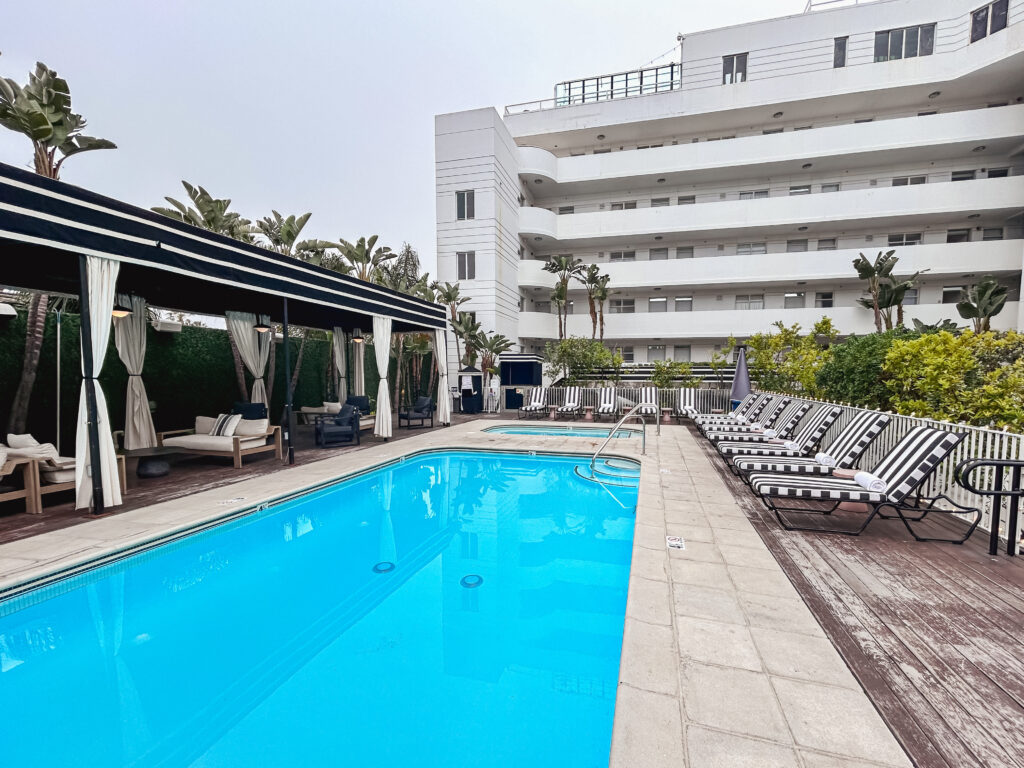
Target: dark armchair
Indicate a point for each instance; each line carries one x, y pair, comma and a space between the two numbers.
340, 428
362, 402
420, 411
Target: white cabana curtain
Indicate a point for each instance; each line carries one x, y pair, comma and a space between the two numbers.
102, 276
340, 363
444, 395
359, 368
253, 347
382, 351
130, 340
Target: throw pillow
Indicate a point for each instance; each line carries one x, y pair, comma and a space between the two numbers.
250, 410
21, 441
225, 424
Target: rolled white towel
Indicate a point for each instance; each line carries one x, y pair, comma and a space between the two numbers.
740, 419
870, 482
792, 446
756, 425
770, 433
824, 459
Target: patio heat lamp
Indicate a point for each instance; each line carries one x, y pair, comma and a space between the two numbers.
357, 336
261, 327
121, 310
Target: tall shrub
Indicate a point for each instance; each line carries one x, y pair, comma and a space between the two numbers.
853, 374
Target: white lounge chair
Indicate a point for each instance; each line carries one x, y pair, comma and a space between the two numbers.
537, 405
607, 404
571, 408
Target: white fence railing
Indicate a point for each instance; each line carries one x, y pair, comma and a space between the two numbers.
978, 443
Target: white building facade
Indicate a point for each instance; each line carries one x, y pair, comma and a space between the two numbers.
734, 188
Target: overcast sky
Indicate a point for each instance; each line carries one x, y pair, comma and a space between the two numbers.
317, 105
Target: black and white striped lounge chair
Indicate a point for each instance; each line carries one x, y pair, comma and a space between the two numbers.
888, 486
812, 428
751, 416
607, 404
845, 451
686, 404
766, 420
571, 408
781, 428
647, 399
742, 409
538, 404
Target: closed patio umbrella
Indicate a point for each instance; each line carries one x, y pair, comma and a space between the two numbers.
741, 381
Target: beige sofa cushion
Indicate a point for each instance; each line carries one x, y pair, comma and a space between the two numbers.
211, 442
249, 427
204, 424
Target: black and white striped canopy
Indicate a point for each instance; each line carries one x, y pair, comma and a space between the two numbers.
45, 225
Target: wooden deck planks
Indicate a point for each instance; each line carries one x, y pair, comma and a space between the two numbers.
933, 632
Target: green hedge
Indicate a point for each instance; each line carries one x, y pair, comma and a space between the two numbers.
186, 373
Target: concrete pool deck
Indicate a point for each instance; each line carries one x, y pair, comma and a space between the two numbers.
722, 664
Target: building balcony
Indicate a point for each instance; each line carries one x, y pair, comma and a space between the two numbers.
882, 208
785, 269
720, 324
906, 141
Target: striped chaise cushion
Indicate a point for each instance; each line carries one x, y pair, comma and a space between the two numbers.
772, 414
648, 395
745, 405
538, 398
846, 449
915, 457
707, 425
607, 402
750, 445
815, 425
779, 463
686, 402
572, 399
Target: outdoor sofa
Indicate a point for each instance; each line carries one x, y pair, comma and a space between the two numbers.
233, 438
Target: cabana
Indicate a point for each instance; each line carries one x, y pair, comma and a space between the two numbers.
57, 238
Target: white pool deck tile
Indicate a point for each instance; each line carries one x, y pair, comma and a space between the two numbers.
723, 665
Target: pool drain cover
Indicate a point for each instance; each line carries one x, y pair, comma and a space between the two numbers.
384, 567
472, 581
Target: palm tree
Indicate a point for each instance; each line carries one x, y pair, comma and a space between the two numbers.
981, 302
874, 272
404, 267
558, 298
448, 294
467, 328
890, 296
41, 111
210, 213
601, 294
591, 278
366, 262
491, 347
564, 268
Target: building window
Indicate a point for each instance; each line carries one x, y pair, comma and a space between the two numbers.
998, 173
839, 53
749, 249
467, 265
830, 187
951, 293
542, 306
626, 206
913, 238
750, 301
734, 68
904, 181
684, 252
659, 254
823, 300
963, 176
992, 233
657, 305
927, 112
648, 146
465, 205
566, 209
802, 127
864, 120
754, 194
622, 256
686, 200
659, 202
803, 189
601, 151
905, 43
795, 300
568, 307
910, 297
655, 352
627, 354
681, 354
684, 303
770, 131
988, 19
796, 246
958, 236
622, 306
827, 244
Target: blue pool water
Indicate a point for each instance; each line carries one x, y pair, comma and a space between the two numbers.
454, 609
556, 431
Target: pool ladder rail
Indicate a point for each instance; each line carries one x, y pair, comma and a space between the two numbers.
643, 435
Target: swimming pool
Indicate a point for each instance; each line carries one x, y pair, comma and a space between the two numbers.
455, 608
553, 430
